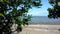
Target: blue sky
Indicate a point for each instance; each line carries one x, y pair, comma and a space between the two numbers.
40, 11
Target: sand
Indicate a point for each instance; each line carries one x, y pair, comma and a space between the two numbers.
40, 29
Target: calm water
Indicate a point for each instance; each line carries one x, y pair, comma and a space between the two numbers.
43, 19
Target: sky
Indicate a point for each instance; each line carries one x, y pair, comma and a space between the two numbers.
40, 11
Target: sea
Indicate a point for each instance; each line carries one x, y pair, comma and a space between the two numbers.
44, 20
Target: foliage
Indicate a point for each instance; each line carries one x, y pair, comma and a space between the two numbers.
15, 11
55, 11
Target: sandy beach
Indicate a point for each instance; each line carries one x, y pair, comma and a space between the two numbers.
41, 29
